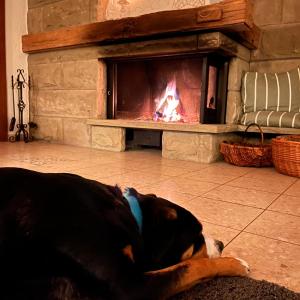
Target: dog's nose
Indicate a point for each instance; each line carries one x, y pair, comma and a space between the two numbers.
219, 245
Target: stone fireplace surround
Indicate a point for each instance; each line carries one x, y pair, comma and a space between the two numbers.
68, 98
197, 142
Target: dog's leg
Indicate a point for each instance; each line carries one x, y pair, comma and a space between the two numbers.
172, 280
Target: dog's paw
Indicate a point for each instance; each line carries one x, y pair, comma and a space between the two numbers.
243, 267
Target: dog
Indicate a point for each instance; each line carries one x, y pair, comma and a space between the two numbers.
66, 237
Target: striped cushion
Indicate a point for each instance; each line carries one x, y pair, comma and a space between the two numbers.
272, 118
276, 91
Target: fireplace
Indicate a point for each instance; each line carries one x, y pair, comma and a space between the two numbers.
94, 82
175, 88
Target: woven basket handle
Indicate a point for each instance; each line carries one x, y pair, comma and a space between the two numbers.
261, 132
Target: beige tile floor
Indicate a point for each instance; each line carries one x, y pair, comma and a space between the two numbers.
256, 212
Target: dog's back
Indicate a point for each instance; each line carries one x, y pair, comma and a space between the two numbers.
61, 225
66, 237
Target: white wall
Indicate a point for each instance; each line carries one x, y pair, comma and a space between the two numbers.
15, 27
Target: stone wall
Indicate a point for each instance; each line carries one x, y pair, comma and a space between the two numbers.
45, 15
279, 48
65, 93
68, 85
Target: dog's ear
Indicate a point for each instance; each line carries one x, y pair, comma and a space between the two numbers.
167, 213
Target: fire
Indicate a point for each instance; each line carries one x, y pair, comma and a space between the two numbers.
166, 109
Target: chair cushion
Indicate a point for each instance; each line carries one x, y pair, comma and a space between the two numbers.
271, 92
272, 118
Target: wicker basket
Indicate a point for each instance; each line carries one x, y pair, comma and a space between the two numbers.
246, 154
286, 154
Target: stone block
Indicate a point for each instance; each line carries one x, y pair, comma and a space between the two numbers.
66, 103
180, 145
198, 147
34, 20
49, 129
165, 46
291, 11
234, 107
76, 132
98, 10
94, 4
80, 74
237, 68
151, 47
271, 66
33, 96
113, 50
260, 9
101, 10
36, 3
64, 55
108, 138
46, 76
278, 43
65, 13
217, 40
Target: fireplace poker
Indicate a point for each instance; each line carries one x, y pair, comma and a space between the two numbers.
13, 119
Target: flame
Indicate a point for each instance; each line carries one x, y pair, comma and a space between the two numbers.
166, 109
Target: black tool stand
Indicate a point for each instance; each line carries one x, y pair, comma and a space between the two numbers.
20, 84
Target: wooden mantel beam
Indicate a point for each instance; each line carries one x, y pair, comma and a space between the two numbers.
230, 16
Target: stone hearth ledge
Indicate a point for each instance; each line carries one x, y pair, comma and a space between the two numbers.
185, 127
193, 142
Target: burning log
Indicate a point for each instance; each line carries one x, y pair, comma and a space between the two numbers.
166, 109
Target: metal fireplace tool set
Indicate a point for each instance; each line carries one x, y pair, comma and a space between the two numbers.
19, 85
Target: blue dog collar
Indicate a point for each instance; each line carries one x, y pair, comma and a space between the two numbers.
134, 207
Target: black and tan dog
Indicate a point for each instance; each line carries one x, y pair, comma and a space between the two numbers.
108, 245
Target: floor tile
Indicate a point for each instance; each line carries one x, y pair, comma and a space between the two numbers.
277, 226
264, 172
143, 154
121, 182
287, 204
264, 183
226, 214
294, 190
209, 175
269, 259
132, 165
189, 165
220, 233
188, 186
167, 170
169, 194
99, 171
135, 178
228, 169
14, 164
242, 196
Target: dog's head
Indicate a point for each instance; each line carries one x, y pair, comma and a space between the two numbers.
172, 234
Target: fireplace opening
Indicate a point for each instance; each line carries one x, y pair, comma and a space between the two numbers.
179, 89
